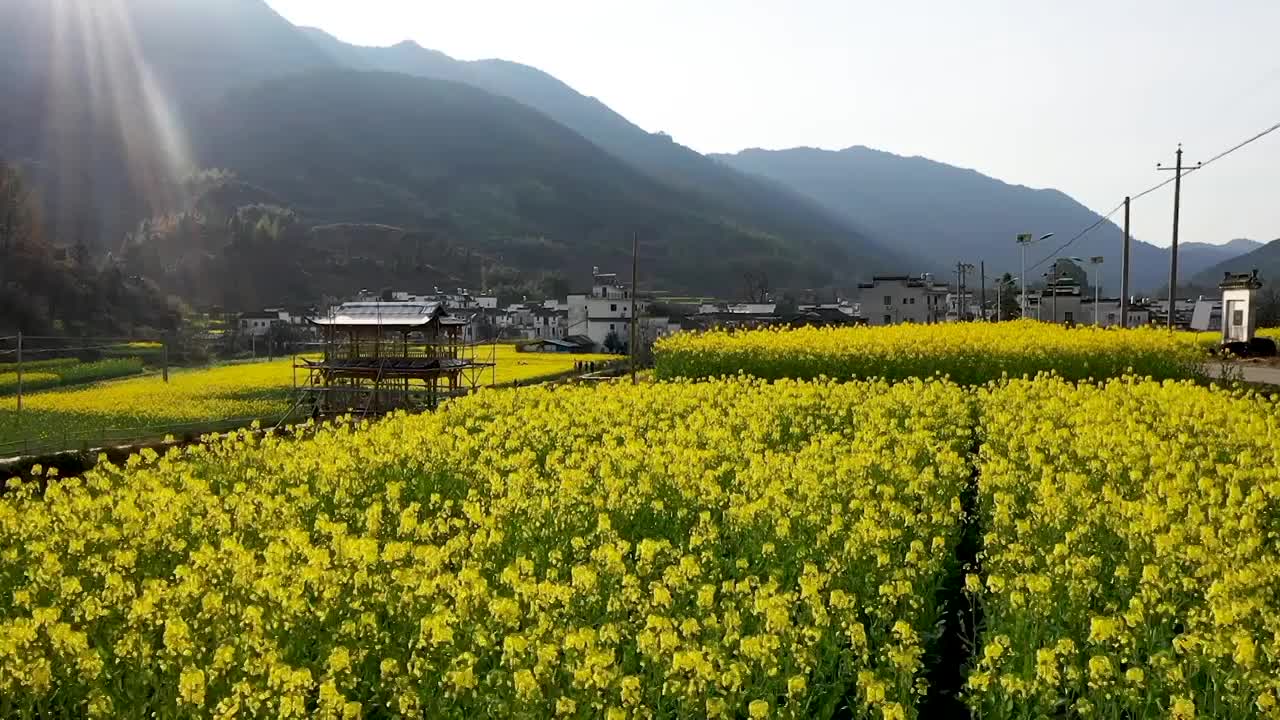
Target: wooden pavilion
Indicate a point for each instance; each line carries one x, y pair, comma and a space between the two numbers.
383, 356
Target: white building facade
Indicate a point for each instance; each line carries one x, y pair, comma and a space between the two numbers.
606, 310
898, 299
1108, 313
1060, 304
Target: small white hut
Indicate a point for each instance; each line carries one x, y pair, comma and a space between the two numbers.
1239, 306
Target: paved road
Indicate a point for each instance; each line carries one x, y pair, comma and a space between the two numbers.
1252, 373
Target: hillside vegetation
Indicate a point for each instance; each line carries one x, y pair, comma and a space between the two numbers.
749, 200
504, 169
504, 180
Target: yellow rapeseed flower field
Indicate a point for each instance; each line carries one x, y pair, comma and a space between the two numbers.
241, 390
726, 549
1131, 560
969, 353
742, 547
42, 374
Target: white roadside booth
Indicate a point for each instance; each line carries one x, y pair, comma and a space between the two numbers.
1239, 306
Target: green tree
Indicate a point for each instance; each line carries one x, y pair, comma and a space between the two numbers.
1069, 269
1008, 291
18, 223
554, 285
613, 343
788, 305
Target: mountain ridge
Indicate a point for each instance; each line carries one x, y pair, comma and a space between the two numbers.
1265, 259
127, 169
956, 214
487, 172
777, 209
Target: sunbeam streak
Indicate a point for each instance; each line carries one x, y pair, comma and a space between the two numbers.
95, 55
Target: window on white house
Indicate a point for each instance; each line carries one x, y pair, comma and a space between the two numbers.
613, 307
888, 320
610, 326
888, 299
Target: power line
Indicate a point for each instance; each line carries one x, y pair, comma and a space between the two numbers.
1148, 191
1203, 165
1077, 236
78, 348
1227, 152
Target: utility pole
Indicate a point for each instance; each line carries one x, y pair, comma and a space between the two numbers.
957, 273
982, 265
164, 352
1024, 240
19, 377
1053, 286
1173, 253
962, 268
1096, 261
1124, 270
635, 254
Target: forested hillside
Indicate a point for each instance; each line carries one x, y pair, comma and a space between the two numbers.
490, 174
117, 106
748, 200
46, 289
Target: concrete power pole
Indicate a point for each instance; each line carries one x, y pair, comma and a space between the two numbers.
635, 254
1173, 252
1053, 283
962, 268
19, 376
1124, 270
982, 265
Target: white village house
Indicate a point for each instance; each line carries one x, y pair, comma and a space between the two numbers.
258, 324
606, 310
897, 299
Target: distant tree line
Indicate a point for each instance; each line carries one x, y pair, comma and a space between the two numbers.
53, 289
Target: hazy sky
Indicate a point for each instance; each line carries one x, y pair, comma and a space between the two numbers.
1082, 95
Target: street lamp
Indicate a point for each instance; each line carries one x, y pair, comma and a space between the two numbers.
1023, 241
1096, 261
1051, 286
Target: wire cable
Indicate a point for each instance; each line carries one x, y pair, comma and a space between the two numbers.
1148, 191
1101, 219
65, 350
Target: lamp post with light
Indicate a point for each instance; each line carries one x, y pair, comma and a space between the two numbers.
1023, 241
1096, 261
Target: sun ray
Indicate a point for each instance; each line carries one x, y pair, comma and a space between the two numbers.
117, 140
